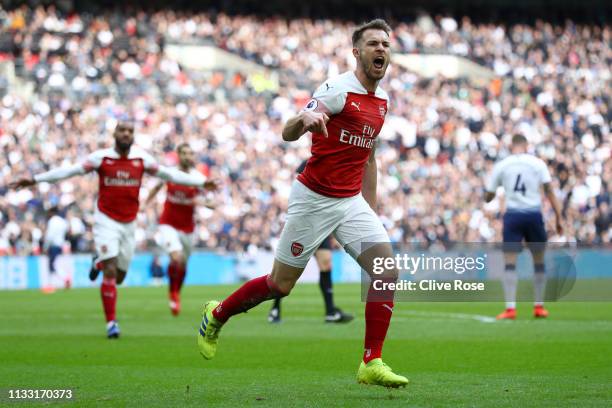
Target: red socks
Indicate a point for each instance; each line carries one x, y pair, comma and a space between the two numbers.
378, 311
176, 276
108, 291
246, 297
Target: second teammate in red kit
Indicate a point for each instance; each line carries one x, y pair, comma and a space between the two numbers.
176, 224
120, 170
336, 194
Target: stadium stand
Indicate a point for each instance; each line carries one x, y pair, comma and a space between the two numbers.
67, 78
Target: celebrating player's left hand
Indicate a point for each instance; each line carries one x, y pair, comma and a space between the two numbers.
21, 183
211, 185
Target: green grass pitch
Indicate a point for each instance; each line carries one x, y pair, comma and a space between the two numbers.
453, 354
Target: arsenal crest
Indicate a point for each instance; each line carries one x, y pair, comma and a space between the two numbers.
382, 110
296, 248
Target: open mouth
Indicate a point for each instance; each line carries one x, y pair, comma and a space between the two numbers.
379, 62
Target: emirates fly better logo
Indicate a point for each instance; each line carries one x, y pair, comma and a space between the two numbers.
365, 139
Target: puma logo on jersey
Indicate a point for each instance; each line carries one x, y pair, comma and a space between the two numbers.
356, 105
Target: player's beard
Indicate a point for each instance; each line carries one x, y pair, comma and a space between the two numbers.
369, 69
124, 146
187, 164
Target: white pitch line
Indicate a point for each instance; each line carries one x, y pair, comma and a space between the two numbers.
465, 316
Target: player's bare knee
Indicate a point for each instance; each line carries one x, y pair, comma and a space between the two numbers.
325, 264
283, 278
324, 259
121, 274
177, 257
282, 289
388, 274
110, 269
374, 261
280, 285
392, 274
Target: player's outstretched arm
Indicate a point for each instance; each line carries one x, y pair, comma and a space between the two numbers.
187, 179
368, 185
550, 195
51, 176
305, 121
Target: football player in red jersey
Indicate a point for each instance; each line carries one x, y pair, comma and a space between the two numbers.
176, 224
336, 194
120, 170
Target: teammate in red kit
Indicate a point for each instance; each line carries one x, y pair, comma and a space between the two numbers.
336, 194
120, 170
176, 225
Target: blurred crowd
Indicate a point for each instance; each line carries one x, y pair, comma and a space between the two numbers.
552, 84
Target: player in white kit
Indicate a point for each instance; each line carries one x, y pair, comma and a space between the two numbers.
521, 175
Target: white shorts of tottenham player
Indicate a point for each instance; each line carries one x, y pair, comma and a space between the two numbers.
311, 217
172, 240
114, 239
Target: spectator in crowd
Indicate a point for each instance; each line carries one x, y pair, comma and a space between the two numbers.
552, 84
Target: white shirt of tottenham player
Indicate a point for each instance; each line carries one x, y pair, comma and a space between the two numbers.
356, 117
57, 228
521, 176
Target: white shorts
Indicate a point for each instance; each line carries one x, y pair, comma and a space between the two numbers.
172, 240
311, 217
114, 239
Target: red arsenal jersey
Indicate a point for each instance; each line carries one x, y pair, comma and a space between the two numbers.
119, 180
337, 164
179, 207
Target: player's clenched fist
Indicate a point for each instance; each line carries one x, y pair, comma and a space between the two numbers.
315, 122
21, 183
211, 185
